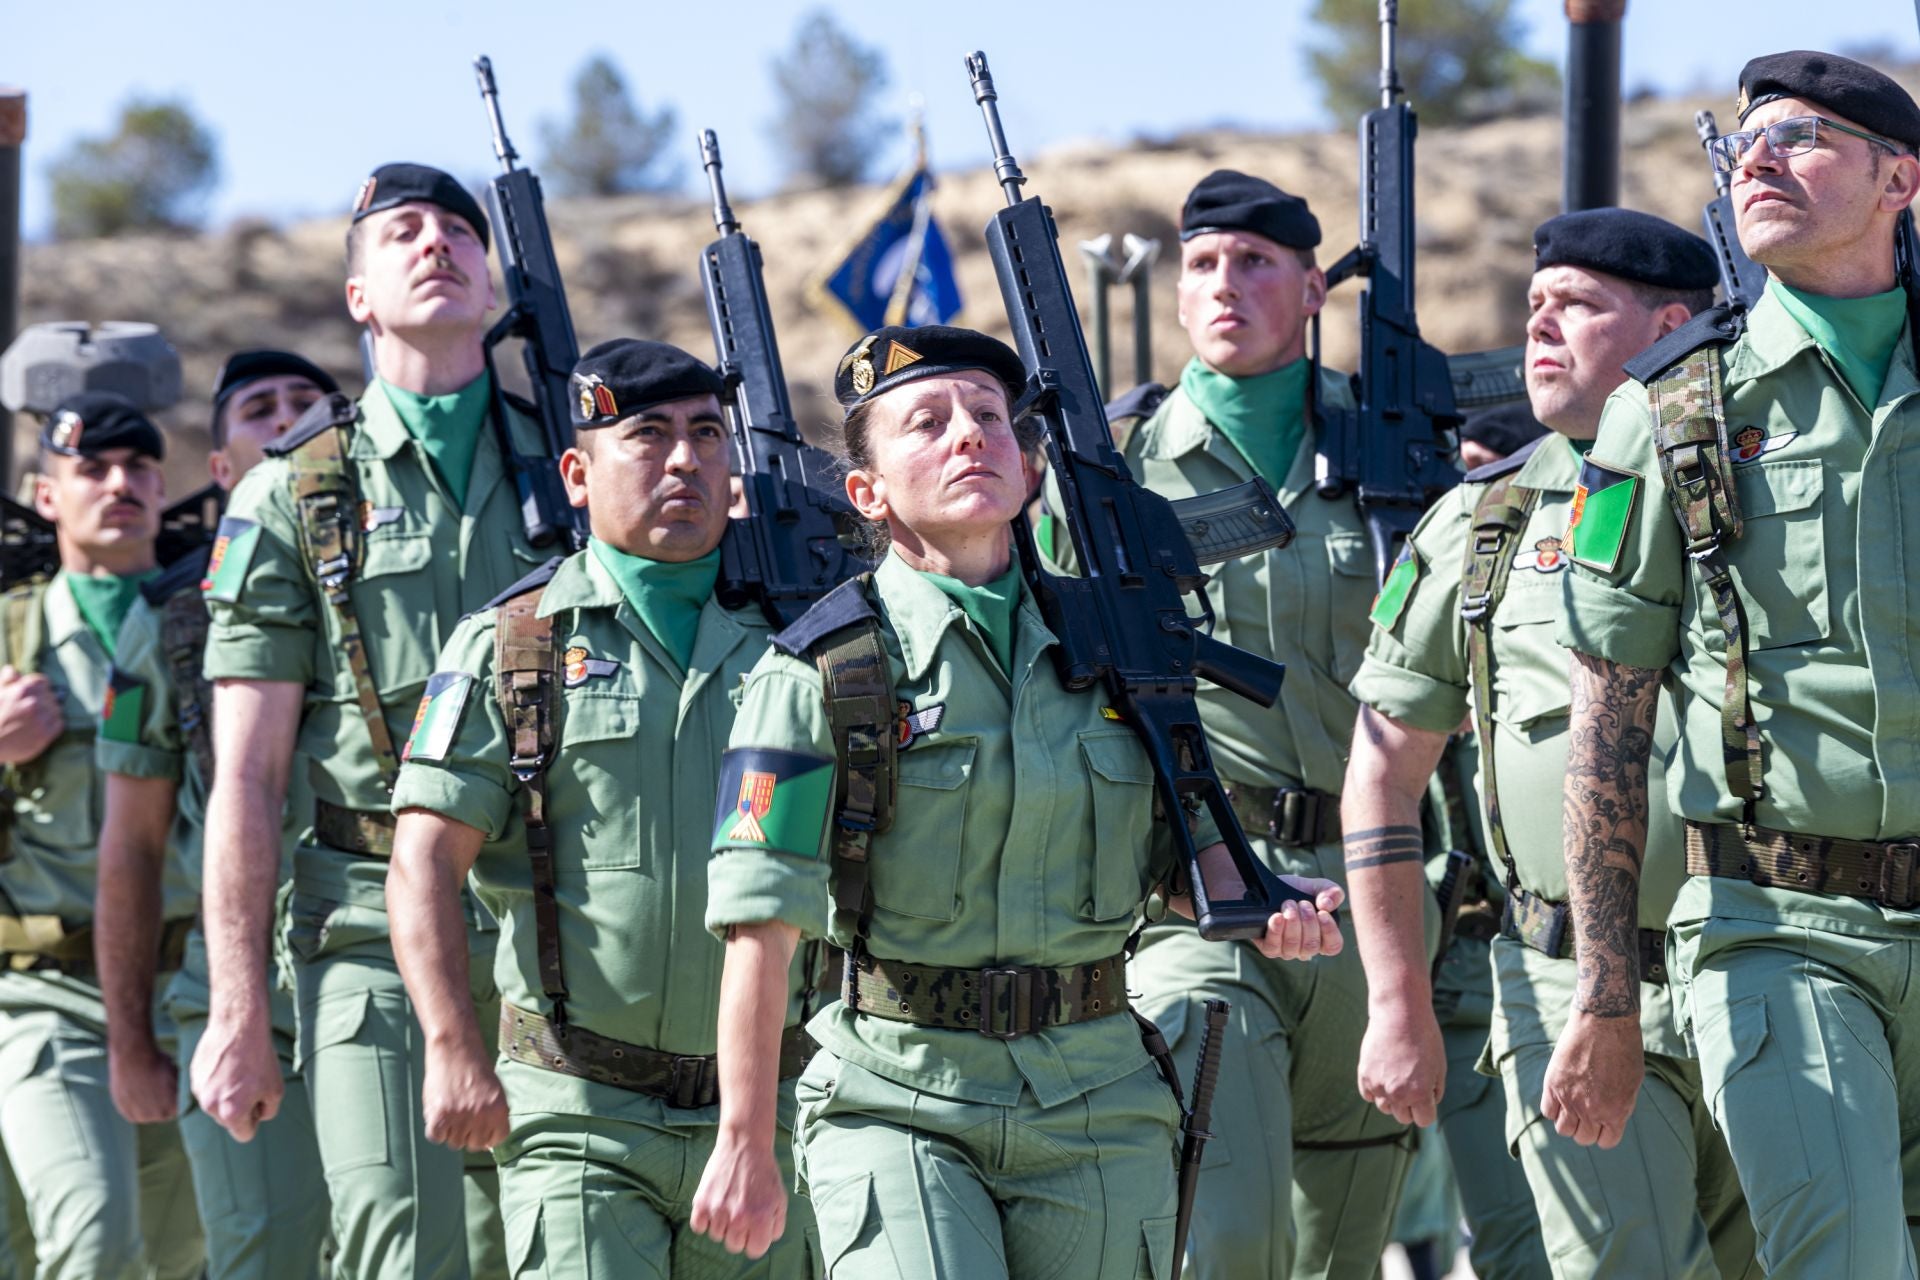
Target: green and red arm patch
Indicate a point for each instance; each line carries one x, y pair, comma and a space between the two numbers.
233, 548
1597, 526
1392, 599
770, 799
438, 716
124, 708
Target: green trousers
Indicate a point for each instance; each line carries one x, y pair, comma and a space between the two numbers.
263, 1203
1807, 1061
1665, 1201
1494, 1196
908, 1185
404, 1208
1303, 1174
599, 1181
104, 1198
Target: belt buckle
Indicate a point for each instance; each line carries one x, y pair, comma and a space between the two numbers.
1017, 983
1896, 890
1295, 820
690, 1081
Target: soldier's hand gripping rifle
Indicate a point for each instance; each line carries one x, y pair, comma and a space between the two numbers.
1392, 452
1741, 278
787, 553
1124, 625
536, 314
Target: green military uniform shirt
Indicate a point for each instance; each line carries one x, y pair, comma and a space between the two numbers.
422, 563
1417, 671
1023, 834
630, 804
1304, 604
1823, 567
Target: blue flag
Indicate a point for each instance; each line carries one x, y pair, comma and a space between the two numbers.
900, 271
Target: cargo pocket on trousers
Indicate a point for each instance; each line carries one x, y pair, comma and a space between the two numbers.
845, 1218
1749, 1094
526, 1243
1156, 1250
342, 1060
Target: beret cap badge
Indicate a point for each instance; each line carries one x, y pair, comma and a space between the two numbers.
900, 355
365, 197
862, 365
67, 427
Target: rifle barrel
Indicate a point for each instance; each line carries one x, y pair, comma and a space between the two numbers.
1011, 179
1389, 58
490, 97
1709, 130
723, 220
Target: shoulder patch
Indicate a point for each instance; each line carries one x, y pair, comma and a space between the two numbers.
228, 559
1603, 500
1392, 599
190, 570
124, 708
329, 411
841, 607
533, 581
1137, 403
1507, 465
438, 716
777, 800
1716, 326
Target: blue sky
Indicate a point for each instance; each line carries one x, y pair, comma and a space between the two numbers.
304, 99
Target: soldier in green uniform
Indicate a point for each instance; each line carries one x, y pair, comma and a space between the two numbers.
1468, 619
1740, 534
581, 805
344, 561
263, 1204
105, 1197
982, 1105
1303, 1174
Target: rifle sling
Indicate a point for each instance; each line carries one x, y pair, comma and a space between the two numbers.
1498, 518
525, 667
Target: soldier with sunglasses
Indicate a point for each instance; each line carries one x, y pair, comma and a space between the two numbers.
1743, 532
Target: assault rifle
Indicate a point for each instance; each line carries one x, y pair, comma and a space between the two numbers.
1741, 278
1393, 452
1124, 625
536, 314
787, 553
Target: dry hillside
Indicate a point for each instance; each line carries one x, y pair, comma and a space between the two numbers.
630, 263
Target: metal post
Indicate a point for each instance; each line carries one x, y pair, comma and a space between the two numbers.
1103, 269
1592, 177
1141, 255
13, 136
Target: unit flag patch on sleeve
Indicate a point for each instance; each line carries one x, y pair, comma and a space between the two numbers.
771, 799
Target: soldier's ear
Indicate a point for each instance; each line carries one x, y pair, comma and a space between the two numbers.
1669, 318
574, 465
867, 491
43, 494
1313, 292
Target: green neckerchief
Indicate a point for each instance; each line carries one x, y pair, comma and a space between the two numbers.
667, 595
1579, 447
104, 601
1264, 416
448, 427
990, 605
1858, 334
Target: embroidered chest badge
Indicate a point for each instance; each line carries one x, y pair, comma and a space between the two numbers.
1753, 442
580, 668
915, 725
1545, 556
371, 517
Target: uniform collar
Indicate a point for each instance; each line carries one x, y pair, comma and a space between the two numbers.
1772, 340
62, 615
582, 582
1182, 428
920, 614
1552, 468
380, 434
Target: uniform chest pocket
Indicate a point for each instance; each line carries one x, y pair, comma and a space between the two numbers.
1780, 560
393, 599
916, 868
1120, 783
598, 785
1350, 557
1530, 668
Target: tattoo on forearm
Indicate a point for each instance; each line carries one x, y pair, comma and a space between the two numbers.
1383, 846
1370, 725
1605, 819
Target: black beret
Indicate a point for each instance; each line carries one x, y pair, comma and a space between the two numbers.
1629, 244
92, 422
243, 367
1227, 200
620, 378
1504, 428
396, 184
1847, 88
899, 354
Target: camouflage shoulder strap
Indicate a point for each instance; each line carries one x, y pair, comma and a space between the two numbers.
861, 709
22, 627
1498, 518
1696, 468
183, 639
326, 499
525, 672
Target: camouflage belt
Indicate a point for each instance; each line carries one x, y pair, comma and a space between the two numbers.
679, 1080
354, 830
1001, 1002
1547, 927
1296, 816
42, 944
1881, 872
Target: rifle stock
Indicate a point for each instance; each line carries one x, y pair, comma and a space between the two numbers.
1124, 624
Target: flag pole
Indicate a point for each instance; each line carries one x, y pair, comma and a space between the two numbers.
903, 285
